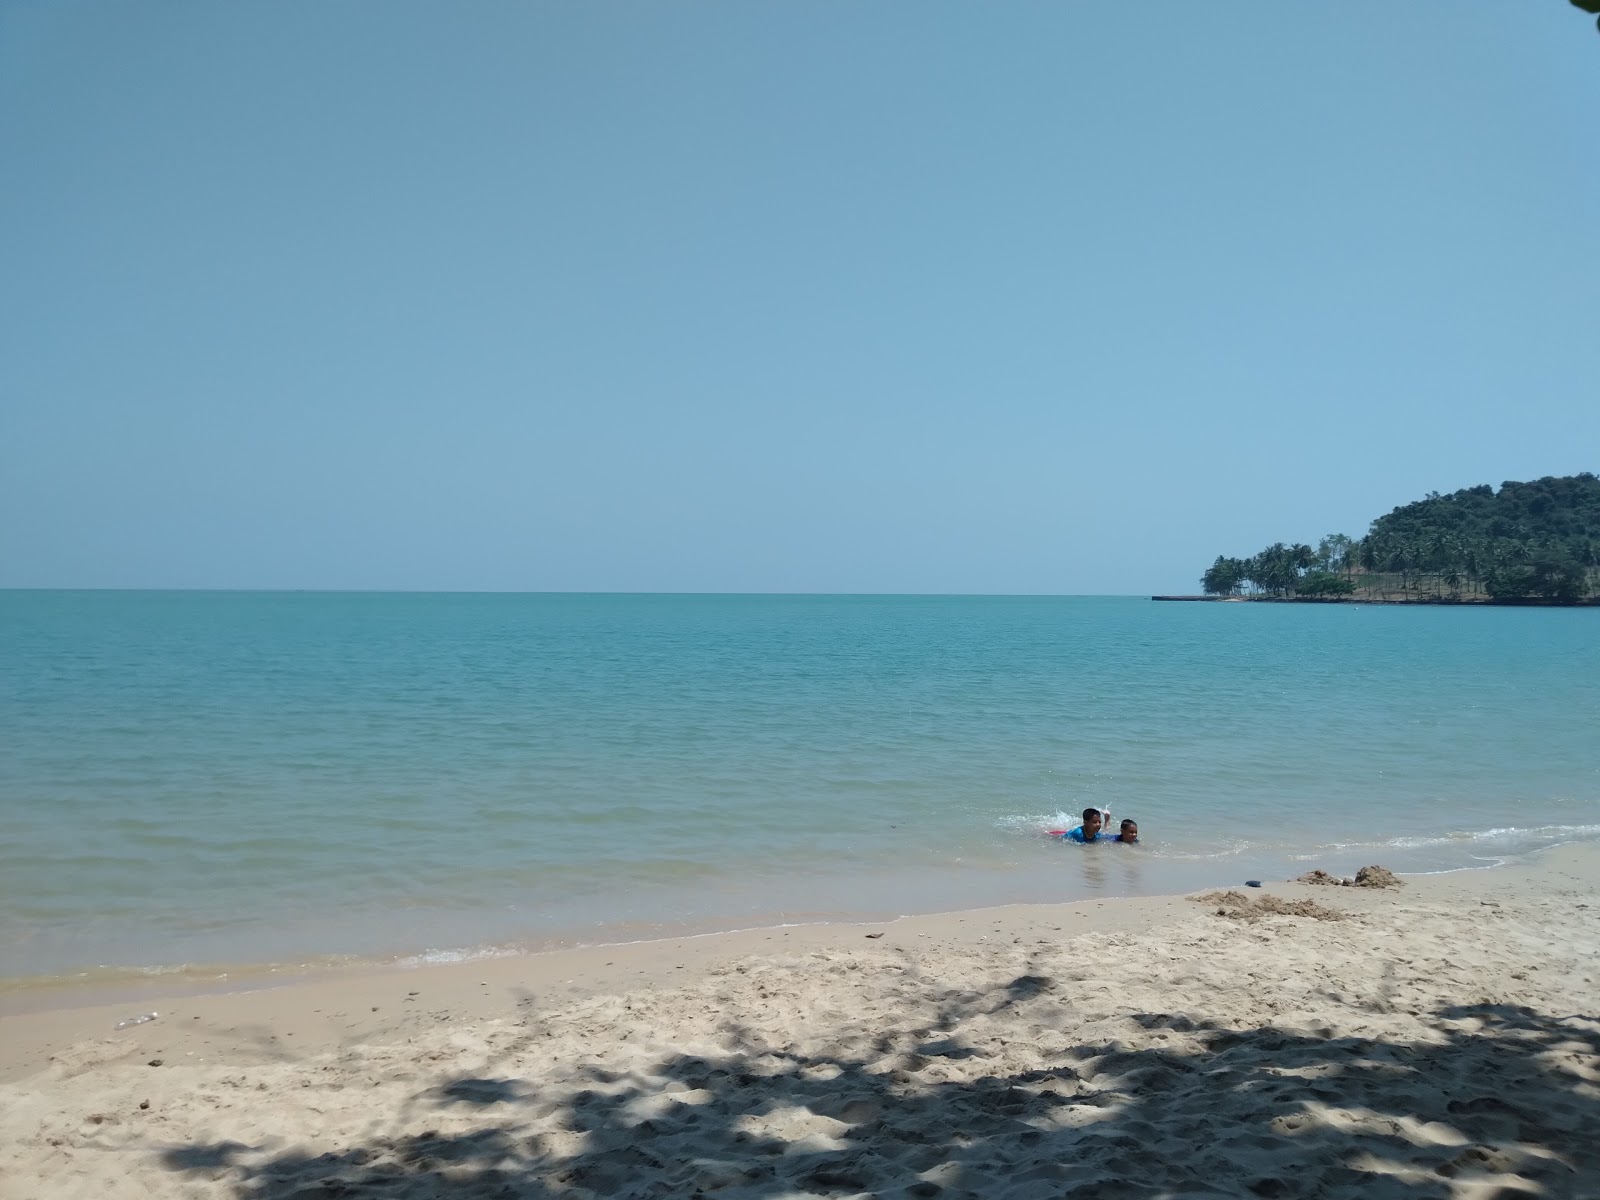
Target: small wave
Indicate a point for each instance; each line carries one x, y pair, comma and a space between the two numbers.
1039, 824
461, 954
1036, 823
1027, 823
164, 976
1549, 834
1156, 850
1477, 847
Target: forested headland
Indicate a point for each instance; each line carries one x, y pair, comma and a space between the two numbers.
1536, 542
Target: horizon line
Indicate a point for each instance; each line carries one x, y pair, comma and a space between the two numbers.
293, 591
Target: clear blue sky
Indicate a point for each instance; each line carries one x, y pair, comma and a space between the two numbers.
729, 296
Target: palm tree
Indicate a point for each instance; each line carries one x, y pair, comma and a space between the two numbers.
1440, 560
1471, 558
1405, 561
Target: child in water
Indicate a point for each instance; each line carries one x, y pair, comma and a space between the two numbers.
1094, 820
1089, 831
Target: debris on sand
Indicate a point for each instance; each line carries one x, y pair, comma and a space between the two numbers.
1367, 877
1322, 877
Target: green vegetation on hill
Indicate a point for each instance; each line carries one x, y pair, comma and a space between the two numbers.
1528, 541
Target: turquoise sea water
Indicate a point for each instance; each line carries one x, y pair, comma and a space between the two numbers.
231, 778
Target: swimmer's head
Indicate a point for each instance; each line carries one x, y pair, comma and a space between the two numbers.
1129, 831
1091, 822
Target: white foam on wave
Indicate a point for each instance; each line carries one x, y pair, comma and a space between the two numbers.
1031, 823
154, 969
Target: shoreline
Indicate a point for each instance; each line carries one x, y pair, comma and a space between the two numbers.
567, 972
1032, 879
91, 1011
139, 989
1342, 1043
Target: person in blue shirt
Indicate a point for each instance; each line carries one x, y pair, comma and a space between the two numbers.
1089, 831
1129, 833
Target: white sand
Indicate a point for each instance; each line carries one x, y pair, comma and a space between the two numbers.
1440, 1041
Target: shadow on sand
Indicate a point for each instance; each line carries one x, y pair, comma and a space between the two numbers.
1493, 1101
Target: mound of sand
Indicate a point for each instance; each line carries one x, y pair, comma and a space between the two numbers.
1377, 877
1240, 907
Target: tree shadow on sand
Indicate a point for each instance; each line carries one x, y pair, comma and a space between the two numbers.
1493, 1101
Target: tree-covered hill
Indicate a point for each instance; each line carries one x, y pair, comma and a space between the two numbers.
1528, 541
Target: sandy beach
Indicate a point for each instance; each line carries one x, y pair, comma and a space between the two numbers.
1442, 1040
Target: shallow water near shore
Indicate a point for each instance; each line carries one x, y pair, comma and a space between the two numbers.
242, 778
